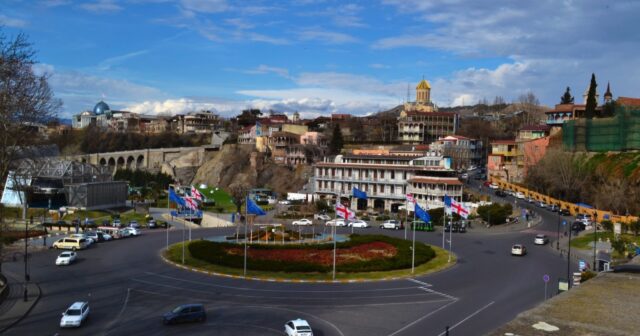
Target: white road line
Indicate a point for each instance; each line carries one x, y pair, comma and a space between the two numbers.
420, 319
124, 306
419, 282
279, 290
468, 317
306, 298
439, 293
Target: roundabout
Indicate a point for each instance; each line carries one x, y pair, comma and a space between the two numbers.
356, 258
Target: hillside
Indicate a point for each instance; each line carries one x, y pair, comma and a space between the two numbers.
241, 164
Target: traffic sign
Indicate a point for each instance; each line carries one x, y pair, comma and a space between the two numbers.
582, 265
545, 278
564, 222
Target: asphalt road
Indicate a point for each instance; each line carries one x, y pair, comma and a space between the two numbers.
129, 287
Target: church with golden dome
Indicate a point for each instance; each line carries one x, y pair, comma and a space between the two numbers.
421, 123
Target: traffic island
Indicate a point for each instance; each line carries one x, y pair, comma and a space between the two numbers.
361, 258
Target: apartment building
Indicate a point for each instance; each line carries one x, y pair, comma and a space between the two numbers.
387, 179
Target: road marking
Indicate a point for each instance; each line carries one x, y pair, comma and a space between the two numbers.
422, 318
468, 317
419, 282
439, 293
124, 306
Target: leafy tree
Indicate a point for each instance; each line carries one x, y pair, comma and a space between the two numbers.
567, 98
336, 143
635, 227
590, 109
619, 245
495, 213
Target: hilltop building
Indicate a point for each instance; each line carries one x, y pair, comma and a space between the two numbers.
421, 123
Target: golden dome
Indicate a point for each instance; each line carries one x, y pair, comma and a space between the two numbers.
423, 85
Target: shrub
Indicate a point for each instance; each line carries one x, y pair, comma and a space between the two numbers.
607, 225
495, 213
219, 254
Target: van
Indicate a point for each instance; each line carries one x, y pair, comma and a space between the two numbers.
70, 243
584, 218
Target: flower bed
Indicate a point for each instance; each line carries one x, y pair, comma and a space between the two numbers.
362, 253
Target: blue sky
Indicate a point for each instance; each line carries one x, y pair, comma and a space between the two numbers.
320, 56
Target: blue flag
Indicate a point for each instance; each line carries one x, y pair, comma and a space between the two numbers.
173, 197
254, 209
423, 215
357, 193
447, 201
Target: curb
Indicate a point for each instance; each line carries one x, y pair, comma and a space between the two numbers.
37, 298
343, 281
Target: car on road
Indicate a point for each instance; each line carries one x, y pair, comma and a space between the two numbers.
391, 224
321, 217
518, 250
584, 218
554, 207
500, 193
578, 226
530, 200
185, 313
116, 223
359, 223
542, 205
107, 237
133, 231
564, 212
494, 186
336, 222
66, 258
89, 240
298, 327
152, 224
69, 243
520, 195
97, 236
134, 224
302, 222
541, 239
75, 314
284, 202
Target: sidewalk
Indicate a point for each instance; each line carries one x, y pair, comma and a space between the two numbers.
13, 308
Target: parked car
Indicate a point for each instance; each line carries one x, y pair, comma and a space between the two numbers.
116, 223
298, 327
185, 313
578, 226
520, 195
152, 224
554, 208
541, 204
500, 193
321, 217
107, 237
69, 243
284, 202
584, 218
541, 239
447, 228
336, 222
391, 224
133, 231
359, 223
66, 258
518, 249
530, 200
564, 212
134, 224
124, 233
494, 186
89, 240
96, 236
75, 314
303, 221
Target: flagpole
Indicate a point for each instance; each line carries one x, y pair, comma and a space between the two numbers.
450, 237
413, 248
183, 225
406, 208
245, 236
444, 223
335, 224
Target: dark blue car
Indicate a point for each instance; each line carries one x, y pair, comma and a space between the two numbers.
185, 313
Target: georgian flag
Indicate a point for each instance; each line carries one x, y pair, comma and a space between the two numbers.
344, 212
191, 203
195, 193
410, 198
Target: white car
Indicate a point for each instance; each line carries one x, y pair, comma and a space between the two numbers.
518, 249
298, 327
66, 258
494, 186
335, 222
133, 231
106, 236
89, 240
284, 202
321, 217
359, 223
520, 195
303, 221
75, 315
391, 224
541, 239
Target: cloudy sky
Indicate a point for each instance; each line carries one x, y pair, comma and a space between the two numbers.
321, 56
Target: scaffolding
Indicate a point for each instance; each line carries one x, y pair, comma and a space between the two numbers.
618, 133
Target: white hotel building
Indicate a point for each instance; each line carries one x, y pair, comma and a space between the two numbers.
387, 179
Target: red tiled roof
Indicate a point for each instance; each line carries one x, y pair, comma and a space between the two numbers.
627, 101
449, 181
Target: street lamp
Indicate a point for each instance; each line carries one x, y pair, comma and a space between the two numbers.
558, 239
595, 239
569, 260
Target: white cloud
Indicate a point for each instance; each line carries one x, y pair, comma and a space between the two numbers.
12, 22
325, 37
101, 6
205, 6
111, 61
265, 69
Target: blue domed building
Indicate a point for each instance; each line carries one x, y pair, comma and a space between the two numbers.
101, 108
100, 115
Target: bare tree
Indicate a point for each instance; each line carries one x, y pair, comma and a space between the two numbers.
25, 99
238, 193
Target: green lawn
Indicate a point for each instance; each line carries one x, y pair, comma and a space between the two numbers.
438, 263
583, 241
222, 198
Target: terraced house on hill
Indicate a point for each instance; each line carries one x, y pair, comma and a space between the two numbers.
387, 178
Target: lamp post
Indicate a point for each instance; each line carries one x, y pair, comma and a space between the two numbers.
558, 238
595, 239
569, 260
26, 256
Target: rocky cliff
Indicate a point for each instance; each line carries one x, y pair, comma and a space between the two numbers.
241, 164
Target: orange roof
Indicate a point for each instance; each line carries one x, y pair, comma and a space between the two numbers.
626, 101
436, 180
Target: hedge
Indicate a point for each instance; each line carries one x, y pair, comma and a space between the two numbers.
215, 253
